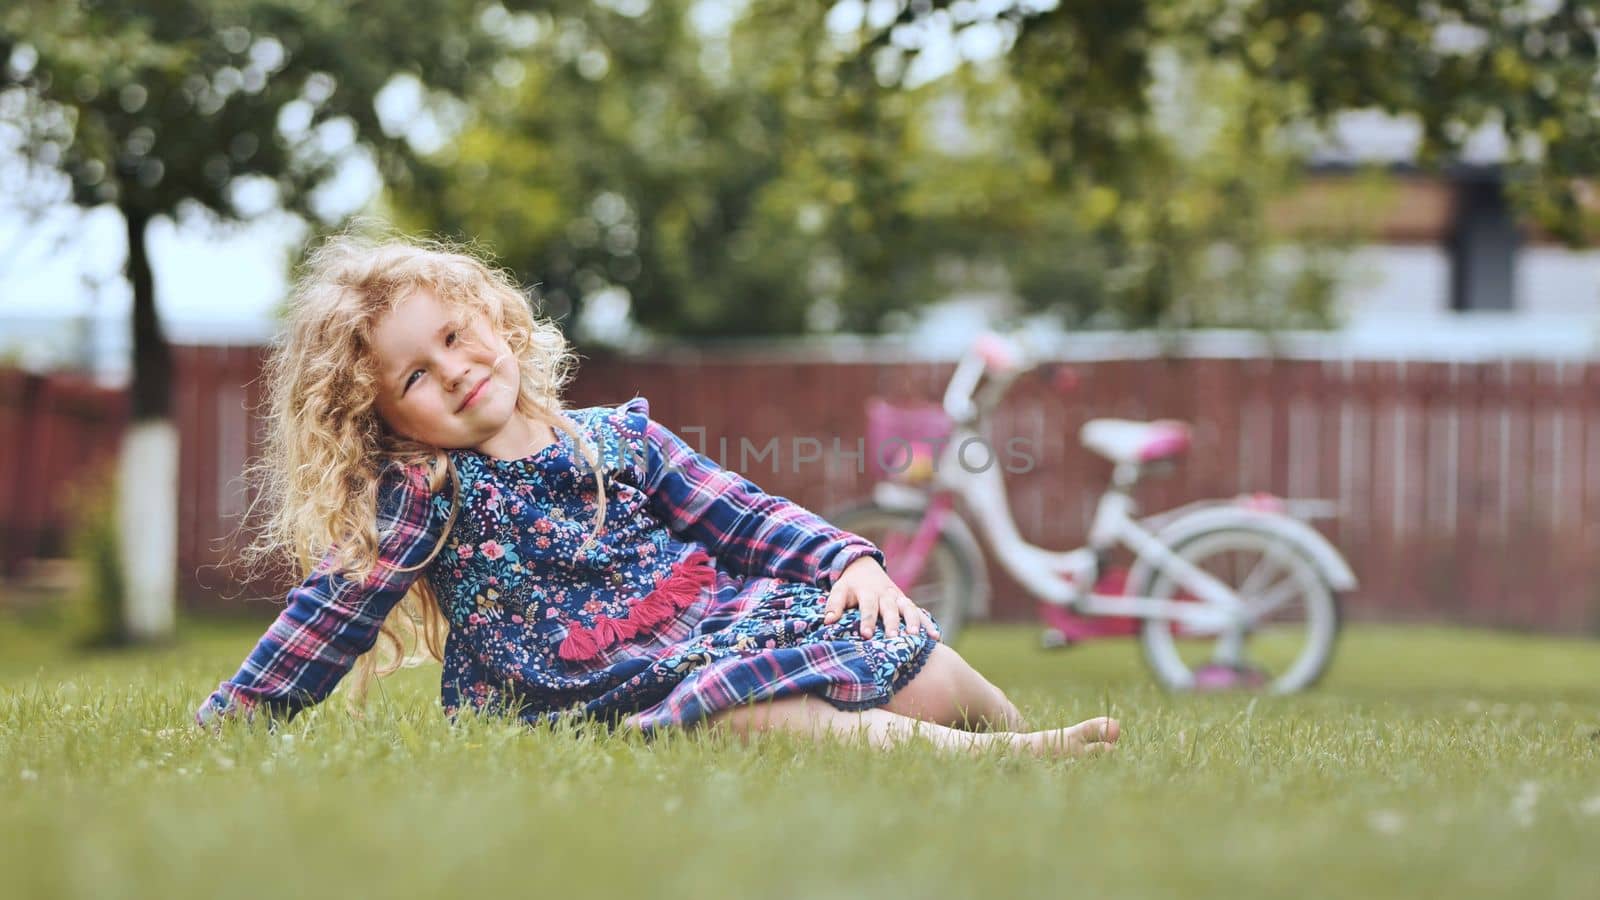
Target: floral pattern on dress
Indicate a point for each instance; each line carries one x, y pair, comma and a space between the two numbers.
516, 577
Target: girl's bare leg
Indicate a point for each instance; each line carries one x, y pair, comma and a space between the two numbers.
950, 692
816, 718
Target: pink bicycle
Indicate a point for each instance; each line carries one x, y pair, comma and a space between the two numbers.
1222, 594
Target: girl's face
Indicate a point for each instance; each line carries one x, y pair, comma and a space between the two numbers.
445, 378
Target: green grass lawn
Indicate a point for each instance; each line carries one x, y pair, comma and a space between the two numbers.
1431, 762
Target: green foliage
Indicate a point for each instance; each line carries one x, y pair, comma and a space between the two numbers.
152, 104
759, 175
1524, 69
1168, 128
1180, 240
92, 614
728, 175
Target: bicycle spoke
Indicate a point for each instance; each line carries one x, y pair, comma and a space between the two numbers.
1259, 575
1229, 649
1270, 601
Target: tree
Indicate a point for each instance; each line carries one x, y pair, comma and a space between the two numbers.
776, 171
1523, 69
733, 176
158, 107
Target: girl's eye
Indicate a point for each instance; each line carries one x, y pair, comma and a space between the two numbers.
450, 338
412, 379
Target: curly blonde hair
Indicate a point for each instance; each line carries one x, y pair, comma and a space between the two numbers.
327, 448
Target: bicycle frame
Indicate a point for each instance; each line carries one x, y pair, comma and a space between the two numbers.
1062, 578
1067, 578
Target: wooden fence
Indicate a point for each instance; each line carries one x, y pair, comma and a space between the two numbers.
1467, 491
57, 438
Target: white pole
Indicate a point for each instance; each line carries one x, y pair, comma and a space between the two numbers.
147, 529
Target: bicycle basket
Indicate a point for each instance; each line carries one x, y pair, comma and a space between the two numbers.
902, 440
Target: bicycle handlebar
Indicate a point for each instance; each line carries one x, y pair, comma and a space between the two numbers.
1001, 359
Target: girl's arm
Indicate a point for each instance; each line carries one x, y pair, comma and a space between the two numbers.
331, 620
751, 531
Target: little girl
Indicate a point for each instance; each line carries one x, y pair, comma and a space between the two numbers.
560, 562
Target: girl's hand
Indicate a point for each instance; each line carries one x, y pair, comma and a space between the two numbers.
864, 584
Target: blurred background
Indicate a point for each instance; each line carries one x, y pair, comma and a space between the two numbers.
1354, 244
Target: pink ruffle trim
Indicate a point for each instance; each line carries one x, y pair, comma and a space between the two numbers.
682, 586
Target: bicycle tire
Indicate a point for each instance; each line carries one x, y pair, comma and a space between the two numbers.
1157, 638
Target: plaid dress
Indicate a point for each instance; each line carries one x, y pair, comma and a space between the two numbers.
701, 593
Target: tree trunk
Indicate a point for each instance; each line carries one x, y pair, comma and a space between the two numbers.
152, 359
147, 496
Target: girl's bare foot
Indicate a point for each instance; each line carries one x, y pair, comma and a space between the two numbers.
1096, 735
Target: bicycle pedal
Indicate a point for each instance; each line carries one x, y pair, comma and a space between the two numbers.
1217, 677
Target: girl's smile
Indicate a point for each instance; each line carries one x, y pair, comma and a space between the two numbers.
474, 393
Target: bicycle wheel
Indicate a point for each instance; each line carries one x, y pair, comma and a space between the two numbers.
1291, 626
946, 583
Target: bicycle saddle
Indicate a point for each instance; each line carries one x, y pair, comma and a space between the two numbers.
1124, 441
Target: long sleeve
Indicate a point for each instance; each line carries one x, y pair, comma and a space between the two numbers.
749, 530
331, 620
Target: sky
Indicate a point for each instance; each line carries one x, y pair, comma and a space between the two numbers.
210, 280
